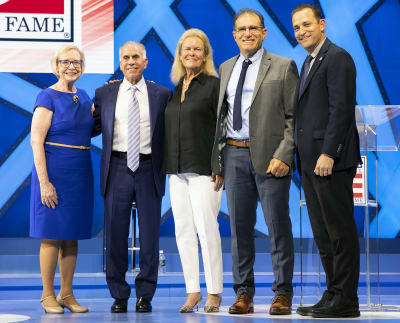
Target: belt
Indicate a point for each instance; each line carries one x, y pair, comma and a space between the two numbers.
123, 155
238, 143
68, 146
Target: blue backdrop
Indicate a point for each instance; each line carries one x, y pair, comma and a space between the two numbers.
368, 29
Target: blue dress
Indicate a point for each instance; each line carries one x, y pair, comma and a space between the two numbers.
69, 169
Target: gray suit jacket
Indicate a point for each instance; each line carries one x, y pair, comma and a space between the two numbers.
271, 113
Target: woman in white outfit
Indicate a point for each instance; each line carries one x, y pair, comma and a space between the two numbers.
190, 122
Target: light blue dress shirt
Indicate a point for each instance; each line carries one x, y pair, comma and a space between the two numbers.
247, 94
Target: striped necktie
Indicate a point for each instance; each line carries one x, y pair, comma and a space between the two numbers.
133, 131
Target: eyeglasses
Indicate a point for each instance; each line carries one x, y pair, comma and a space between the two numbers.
251, 29
66, 63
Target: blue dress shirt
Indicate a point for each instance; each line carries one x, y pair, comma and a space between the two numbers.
247, 95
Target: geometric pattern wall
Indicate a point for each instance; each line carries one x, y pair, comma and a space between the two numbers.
368, 29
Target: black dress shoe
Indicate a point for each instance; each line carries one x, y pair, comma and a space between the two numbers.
308, 310
338, 307
119, 306
143, 305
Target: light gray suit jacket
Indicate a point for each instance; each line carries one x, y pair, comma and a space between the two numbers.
271, 113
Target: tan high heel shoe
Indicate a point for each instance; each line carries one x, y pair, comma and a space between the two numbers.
74, 308
213, 308
51, 309
188, 308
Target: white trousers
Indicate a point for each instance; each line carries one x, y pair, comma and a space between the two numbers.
195, 206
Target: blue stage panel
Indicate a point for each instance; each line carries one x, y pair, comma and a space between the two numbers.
121, 9
160, 60
15, 221
382, 34
13, 123
98, 216
280, 12
215, 18
160, 23
42, 80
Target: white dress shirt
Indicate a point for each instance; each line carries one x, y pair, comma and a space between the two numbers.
315, 53
247, 94
120, 140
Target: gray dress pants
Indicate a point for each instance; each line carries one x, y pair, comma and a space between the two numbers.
244, 188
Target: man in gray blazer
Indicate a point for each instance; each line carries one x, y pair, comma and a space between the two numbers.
254, 150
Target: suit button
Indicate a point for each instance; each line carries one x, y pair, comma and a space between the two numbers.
300, 130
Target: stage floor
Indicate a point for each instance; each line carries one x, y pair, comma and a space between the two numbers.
165, 309
20, 294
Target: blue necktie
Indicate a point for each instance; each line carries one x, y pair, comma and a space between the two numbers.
133, 131
304, 73
237, 104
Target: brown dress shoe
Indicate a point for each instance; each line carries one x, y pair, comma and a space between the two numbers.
243, 305
281, 305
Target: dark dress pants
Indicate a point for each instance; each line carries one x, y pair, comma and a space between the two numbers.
330, 208
243, 189
123, 187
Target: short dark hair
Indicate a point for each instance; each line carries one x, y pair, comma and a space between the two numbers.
250, 12
316, 11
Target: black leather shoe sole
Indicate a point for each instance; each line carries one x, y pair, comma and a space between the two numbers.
345, 314
143, 305
119, 310
304, 311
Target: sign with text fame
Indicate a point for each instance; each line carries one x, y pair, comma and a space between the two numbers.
30, 31
46, 20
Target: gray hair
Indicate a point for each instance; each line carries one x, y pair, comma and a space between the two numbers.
248, 11
133, 43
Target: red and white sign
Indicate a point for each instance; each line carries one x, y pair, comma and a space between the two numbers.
31, 30
360, 189
45, 20
23, 6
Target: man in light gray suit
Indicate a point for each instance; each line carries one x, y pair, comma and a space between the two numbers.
254, 150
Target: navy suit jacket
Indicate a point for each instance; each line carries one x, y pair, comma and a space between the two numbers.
325, 111
104, 114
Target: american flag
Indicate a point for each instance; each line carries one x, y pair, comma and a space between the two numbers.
359, 184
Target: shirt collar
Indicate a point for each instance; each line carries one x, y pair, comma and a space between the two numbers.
127, 85
253, 58
317, 49
201, 78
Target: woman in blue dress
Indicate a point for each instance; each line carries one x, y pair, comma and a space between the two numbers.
62, 179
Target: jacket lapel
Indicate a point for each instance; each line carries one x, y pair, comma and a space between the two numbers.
317, 62
151, 92
225, 76
264, 67
109, 114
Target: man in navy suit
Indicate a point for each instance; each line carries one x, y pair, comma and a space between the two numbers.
121, 184
328, 152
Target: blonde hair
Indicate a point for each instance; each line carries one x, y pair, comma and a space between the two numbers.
61, 50
178, 70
